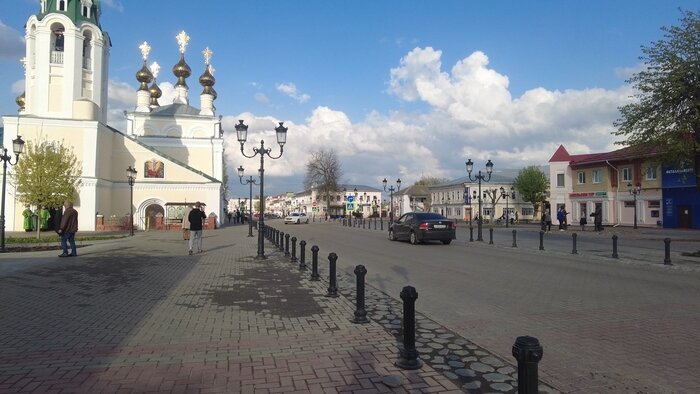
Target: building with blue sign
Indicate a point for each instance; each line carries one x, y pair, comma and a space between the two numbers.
681, 198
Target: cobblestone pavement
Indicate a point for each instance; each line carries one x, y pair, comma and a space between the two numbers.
140, 315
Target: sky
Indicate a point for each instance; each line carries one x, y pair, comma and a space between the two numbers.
397, 88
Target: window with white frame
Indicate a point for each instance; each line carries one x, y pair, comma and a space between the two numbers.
581, 177
596, 176
627, 174
560, 180
528, 211
651, 174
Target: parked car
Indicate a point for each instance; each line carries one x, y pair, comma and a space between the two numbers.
417, 227
296, 218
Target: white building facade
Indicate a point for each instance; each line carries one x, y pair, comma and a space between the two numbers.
176, 149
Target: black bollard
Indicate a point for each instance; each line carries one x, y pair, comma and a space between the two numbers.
515, 244
314, 263
302, 255
363, 223
490, 236
360, 312
614, 239
541, 240
332, 280
528, 352
667, 251
286, 244
375, 223
471, 233
381, 224
408, 355
281, 244
294, 250
573, 239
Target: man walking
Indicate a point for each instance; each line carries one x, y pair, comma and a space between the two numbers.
67, 230
196, 218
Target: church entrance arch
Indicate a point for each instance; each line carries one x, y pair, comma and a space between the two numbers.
147, 212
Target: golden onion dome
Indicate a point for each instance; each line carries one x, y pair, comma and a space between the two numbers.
155, 94
206, 79
20, 100
182, 71
144, 76
155, 90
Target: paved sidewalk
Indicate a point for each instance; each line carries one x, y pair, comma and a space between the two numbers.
140, 315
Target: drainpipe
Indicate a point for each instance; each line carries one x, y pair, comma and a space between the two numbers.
617, 194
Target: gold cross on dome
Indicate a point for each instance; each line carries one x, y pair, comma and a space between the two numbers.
182, 39
145, 50
207, 55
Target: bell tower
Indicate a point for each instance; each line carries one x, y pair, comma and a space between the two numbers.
66, 62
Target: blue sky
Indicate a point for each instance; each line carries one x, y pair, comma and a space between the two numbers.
397, 88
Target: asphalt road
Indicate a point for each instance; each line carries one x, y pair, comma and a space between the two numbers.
607, 325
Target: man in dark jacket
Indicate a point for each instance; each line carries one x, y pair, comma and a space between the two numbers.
67, 230
196, 218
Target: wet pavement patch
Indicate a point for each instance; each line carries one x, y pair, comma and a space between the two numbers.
267, 289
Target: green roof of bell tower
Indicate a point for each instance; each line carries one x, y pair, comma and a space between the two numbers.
73, 10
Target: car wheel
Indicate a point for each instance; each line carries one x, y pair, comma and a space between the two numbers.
391, 236
447, 241
413, 238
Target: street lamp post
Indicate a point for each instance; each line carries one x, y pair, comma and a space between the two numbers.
507, 196
391, 196
634, 191
17, 148
250, 181
131, 177
480, 178
242, 134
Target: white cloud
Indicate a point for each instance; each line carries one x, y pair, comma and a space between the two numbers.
18, 87
11, 43
261, 98
290, 90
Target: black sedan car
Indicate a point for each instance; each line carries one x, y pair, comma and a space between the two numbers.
418, 227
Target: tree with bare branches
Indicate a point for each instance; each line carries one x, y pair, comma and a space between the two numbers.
323, 172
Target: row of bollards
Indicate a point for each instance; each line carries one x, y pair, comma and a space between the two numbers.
526, 350
574, 240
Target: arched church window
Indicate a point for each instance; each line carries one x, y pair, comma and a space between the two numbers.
57, 41
62, 5
87, 6
87, 48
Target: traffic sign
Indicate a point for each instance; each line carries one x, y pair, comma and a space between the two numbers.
313, 203
350, 206
351, 198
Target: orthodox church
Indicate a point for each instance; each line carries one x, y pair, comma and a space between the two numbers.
176, 149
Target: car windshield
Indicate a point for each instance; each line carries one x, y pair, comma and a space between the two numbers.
294, 214
429, 216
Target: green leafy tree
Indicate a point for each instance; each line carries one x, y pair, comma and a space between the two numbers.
47, 175
666, 111
430, 181
323, 170
532, 185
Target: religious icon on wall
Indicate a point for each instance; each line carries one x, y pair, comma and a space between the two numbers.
153, 169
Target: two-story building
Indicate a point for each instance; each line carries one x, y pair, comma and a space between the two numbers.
459, 199
622, 182
364, 200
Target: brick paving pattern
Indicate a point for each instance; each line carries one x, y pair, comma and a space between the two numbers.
140, 315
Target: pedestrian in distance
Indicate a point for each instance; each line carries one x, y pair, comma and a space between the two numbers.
583, 222
598, 218
186, 223
196, 218
67, 230
548, 219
